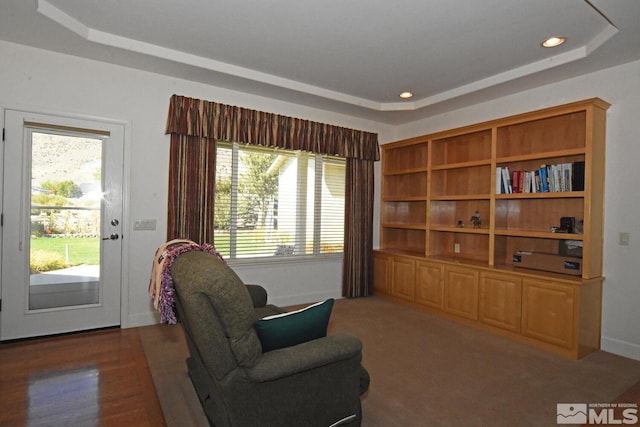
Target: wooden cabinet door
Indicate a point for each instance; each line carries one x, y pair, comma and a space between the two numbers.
381, 273
501, 300
403, 277
548, 312
461, 291
429, 284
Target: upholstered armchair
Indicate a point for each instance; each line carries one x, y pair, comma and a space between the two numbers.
314, 383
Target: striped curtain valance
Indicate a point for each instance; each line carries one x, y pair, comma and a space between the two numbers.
220, 122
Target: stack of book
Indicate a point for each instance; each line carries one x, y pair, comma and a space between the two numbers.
547, 178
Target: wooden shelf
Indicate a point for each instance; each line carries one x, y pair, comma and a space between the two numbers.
407, 226
406, 171
461, 165
539, 234
465, 230
432, 183
540, 156
403, 252
461, 197
547, 195
404, 199
445, 178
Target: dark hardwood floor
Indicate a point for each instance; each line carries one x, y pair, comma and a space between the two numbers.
434, 373
98, 378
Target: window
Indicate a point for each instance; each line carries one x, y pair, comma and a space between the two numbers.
277, 203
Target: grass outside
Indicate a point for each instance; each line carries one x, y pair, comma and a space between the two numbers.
86, 250
222, 244
81, 250
246, 241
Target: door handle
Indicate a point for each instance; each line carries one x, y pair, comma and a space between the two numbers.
113, 236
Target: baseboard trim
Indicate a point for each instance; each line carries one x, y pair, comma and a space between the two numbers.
141, 319
620, 347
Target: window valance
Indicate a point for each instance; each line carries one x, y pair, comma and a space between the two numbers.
206, 119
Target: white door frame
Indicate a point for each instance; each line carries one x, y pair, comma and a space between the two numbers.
119, 129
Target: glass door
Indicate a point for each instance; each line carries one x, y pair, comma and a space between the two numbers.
62, 202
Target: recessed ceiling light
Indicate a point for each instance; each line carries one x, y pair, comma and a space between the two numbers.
553, 41
405, 95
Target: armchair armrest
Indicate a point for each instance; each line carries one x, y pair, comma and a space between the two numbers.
258, 295
306, 356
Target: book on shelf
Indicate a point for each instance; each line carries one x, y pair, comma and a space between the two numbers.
499, 180
566, 173
521, 181
506, 178
554, 178
517, 181
503, 180
577, 177
544, 179
514, 181
560, 177
527, 182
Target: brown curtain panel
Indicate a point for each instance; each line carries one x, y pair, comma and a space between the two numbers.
357, 269
192, 171
192, 176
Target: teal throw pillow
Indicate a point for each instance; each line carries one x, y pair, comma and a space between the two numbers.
295, 327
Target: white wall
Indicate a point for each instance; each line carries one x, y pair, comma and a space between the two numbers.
619, 86
42, 81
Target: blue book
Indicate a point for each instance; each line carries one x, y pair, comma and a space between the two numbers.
544, 179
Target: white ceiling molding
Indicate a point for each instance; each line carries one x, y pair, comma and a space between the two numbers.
90, 34
351, 58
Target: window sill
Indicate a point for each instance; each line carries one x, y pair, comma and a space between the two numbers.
272, 260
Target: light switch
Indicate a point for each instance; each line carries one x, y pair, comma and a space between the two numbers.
623, 239
144, 224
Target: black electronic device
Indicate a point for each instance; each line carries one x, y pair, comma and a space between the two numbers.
567, 224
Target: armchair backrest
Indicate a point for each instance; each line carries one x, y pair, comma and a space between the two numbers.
218, 312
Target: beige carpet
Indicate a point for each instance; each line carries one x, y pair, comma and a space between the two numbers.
426, 371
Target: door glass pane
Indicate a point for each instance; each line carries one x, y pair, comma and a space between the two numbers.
66, 191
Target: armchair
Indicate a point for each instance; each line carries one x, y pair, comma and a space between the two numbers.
315, 383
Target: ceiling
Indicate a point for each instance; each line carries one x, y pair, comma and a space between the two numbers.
349, 56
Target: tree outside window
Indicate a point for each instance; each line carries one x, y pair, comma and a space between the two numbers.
277, 203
